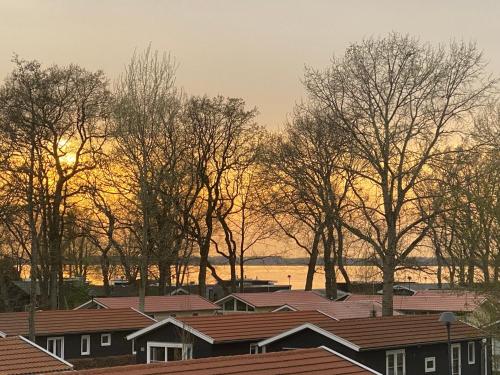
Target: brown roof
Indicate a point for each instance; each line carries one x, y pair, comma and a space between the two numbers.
279, 298
398, 331
74, 321
160, 303
241, 327
317, 361
255, 326
343, 309
20, 356
429, 301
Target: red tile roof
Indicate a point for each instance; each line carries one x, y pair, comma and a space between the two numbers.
255, 326
276, 299
429, 301
397, 331
19, 356
243, 327
343, 309
74, 321
155, 304
317, 361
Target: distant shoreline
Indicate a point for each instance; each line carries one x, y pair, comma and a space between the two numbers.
279, 261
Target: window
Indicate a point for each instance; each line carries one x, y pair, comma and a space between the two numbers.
229, 305
456, 363
241, 306
250, 308
106, 339
395, 362
55, 345
168, 351
254, 349
85, 345
430, 364
471, 352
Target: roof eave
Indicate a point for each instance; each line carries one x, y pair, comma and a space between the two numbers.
175, 322
314, 328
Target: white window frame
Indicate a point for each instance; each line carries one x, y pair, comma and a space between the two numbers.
431, 369
395, 353
62, 345
235, 301
254, 349
86, 352
108, 335
459, 357
471, 361
187, 349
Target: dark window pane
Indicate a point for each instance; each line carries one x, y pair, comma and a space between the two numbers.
240, 306
174, 354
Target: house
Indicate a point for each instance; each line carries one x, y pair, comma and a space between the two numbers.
425, 302
19, 356
316, 361
339, 309
398, 345
266, 302
158, 307
80, 335
217, 335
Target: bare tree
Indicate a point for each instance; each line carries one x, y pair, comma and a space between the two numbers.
146, 104
51, 120
305, 175
399, 100
221, 131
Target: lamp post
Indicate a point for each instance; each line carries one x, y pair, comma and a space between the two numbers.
447, 318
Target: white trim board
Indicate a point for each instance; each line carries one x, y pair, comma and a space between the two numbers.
45, 351
350, 360
146, 315
314, 328
222, 300
89, 302
3, 334
285, 306
175, 322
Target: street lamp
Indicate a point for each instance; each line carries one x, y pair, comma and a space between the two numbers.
447, 318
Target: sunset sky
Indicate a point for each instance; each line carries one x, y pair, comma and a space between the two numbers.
254, 49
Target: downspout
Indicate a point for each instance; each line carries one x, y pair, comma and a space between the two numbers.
484, 350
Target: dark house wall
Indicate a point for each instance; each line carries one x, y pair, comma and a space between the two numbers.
201, 348
376, 359
72, 345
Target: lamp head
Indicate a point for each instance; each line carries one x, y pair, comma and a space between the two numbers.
447, 317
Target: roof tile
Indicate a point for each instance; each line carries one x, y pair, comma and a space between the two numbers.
74, 321
317, 361
161, 303
18, 357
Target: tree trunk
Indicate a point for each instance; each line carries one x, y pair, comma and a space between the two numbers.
388, 289
34, 246
242, 273
470, 274
340, 257
202, 274
105, 274
163, 269
234, 276
328, 251
313, 259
